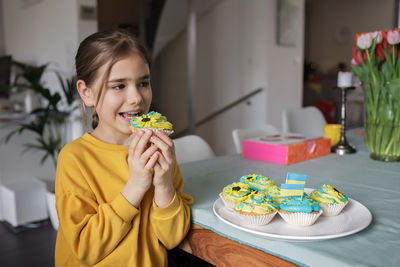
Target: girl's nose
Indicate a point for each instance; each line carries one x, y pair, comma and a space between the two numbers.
133, 95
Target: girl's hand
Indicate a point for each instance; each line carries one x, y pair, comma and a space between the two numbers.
162, 180
141, 161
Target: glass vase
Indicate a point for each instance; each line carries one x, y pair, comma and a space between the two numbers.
382, 126
383, 140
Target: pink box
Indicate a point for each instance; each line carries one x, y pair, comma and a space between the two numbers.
285, 149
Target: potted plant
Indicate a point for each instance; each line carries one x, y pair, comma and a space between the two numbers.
48, 122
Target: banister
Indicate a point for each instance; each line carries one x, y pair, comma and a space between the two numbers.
218, 112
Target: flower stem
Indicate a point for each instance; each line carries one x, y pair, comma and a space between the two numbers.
374, 88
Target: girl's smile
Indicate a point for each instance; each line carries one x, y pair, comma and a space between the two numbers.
128, 115
127, 94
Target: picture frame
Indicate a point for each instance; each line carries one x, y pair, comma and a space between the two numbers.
286, 25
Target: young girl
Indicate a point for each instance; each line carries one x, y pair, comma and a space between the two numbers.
117, 205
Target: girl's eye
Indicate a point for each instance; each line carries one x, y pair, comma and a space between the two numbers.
118, 87
144, 84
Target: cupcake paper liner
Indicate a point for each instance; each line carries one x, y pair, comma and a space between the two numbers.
256, 219
134, 129
167, 132
300, 218
332, 210
228, 204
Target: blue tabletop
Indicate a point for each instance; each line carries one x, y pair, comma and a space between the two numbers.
373, 183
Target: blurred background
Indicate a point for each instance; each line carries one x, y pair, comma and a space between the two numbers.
292, 50
217, 65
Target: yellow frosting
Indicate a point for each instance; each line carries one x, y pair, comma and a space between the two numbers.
236, 191
257, 203
153, 120
257, 181
328, 195
275, 192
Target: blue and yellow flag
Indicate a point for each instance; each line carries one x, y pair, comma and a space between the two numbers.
295, 178
292, 189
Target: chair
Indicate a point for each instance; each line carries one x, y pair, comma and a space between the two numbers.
308, 121
192, 148
239, 134
327, 107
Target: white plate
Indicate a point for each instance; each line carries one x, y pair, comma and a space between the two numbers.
353, 218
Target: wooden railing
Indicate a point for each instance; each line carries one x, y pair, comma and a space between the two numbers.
218, 112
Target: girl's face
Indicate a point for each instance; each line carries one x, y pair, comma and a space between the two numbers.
127, 94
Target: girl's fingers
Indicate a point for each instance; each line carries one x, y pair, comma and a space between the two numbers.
148, 153
135, 140
166, 149
163, 136
143, 143
157, 167
162, 161
152, 161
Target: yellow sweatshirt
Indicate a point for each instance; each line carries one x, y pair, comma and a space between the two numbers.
98, 226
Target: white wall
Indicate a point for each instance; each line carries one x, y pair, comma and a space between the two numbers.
236, 54
86, 27
330, 39
41, 32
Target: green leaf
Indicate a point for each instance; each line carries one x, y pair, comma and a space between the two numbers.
9, 135
43, 160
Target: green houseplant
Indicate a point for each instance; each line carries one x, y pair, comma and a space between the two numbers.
47, 121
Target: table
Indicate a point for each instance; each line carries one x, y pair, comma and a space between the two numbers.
374, 184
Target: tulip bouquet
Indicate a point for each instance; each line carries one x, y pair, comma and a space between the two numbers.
376, 64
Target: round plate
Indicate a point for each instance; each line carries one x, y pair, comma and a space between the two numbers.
353, 218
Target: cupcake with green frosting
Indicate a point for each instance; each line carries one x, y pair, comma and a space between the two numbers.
257, 182
301, 211
256, 209
233, 193
331, 201
153, 121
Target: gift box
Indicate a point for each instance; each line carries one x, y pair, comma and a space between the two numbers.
286, 148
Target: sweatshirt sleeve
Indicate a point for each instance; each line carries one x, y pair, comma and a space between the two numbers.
172, 223
91, 230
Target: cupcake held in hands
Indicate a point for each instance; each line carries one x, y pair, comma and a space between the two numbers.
153, 121
329, 199
256, 209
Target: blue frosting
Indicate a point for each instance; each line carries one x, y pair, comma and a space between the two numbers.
299, 204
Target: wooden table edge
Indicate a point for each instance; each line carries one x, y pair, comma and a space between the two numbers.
222, 251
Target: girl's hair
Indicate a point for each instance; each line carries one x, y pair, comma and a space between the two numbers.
98, 49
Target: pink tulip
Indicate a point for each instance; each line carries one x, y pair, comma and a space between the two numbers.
354, 62
377, 36
364, 41
393, 37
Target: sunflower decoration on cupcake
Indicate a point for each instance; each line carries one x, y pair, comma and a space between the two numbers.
234, 192
153, 121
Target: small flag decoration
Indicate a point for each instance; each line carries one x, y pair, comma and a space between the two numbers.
295, 178
292, 189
